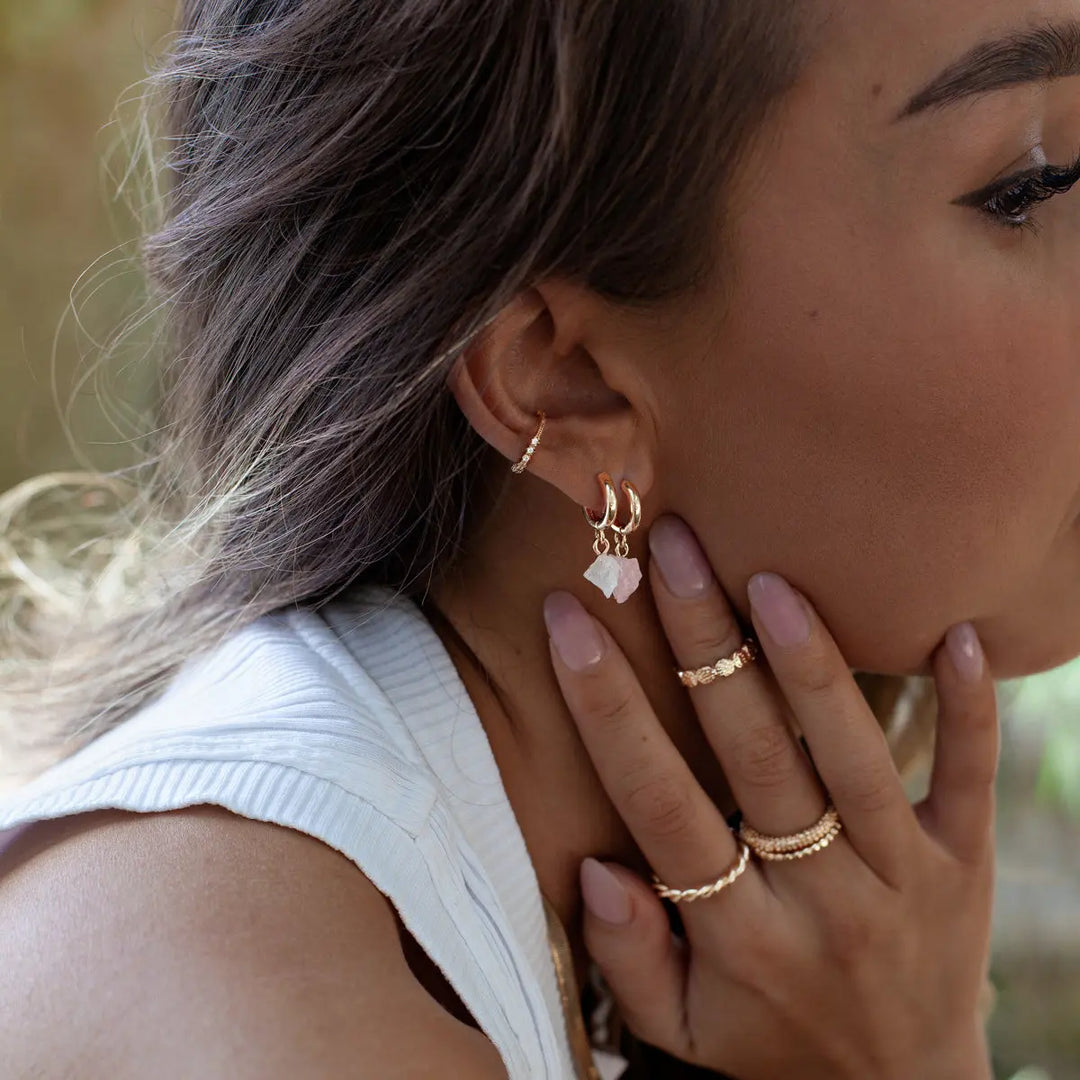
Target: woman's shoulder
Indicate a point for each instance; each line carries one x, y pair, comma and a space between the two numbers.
220, 945
335, 727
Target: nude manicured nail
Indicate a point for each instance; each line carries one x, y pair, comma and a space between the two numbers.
781, 612
965, 651
604, 894
573, 632
679, 557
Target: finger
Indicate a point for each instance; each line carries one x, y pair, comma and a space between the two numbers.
959, 810
743, 716
847, 744
678, 828
628, 935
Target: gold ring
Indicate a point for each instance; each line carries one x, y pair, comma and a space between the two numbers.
680, 896
801, 853
796, 845
742, 657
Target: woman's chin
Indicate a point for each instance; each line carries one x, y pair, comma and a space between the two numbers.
1011, 654
1029, 655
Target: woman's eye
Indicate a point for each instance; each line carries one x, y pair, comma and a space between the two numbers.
1014, 205
1010, 202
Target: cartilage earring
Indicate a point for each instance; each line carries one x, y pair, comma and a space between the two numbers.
523, 464
615, 575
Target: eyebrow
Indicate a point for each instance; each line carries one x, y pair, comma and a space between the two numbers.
1033, 55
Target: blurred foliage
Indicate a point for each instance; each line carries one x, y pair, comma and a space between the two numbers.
1049, 705
63, 66
27, 26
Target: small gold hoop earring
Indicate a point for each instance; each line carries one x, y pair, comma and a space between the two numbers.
622, 546
601, 544
523, 464
615, 575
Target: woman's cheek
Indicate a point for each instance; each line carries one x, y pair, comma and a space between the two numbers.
921, 511
910, 433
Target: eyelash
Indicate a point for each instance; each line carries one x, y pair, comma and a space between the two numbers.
1011, 202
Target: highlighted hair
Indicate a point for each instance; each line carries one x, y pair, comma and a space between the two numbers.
349, 191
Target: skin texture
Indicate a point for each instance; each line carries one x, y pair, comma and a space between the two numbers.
878, 396
198, 943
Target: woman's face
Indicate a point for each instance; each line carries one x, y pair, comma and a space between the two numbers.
888, 410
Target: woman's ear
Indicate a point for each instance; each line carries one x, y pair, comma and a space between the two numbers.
555, 348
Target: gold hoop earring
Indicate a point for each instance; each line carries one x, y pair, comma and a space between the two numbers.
622, 546
523, 464
615, 575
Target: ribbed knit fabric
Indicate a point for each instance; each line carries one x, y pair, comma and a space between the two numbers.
351, 725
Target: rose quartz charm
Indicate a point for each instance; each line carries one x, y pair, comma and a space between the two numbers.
614, 576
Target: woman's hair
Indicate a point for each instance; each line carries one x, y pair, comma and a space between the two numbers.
351, 191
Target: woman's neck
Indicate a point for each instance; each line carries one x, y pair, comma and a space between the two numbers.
488, 614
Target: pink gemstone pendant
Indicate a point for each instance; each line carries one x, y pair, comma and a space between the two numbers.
614, 576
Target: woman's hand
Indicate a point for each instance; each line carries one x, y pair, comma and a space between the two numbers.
863, 960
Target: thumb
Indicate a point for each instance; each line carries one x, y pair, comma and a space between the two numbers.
628, 935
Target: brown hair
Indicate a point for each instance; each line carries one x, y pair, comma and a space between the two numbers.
353, 190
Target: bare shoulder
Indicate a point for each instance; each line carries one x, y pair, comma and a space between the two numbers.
199, 943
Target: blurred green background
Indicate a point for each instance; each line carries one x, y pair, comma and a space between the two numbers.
63, 66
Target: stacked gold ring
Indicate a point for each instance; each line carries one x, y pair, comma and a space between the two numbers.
796, 845
771, 848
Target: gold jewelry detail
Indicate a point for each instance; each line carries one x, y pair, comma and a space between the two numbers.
681, 896
615, 575
622, 547
796, 845
601, 544
523, 464
723, 668
563, 960
810, 849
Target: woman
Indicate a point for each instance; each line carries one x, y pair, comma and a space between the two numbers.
798, 278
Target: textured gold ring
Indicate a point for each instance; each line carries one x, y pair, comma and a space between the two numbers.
801, 853
726, 666
794, 845
686, 896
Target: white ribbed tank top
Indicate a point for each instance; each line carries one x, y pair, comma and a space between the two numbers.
351, 725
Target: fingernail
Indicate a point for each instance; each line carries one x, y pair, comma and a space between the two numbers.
781, 612
604, 894
965, 651
678, 555
576, 638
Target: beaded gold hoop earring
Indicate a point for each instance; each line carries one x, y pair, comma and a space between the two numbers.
615, 575
523, 464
